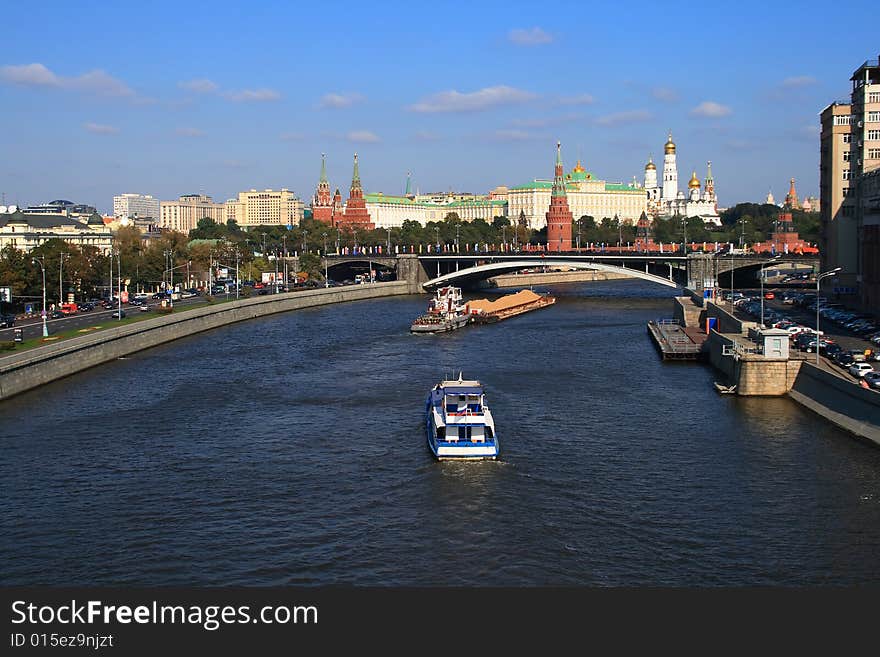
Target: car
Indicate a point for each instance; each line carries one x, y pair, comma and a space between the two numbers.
160, 295
56, 314
872, 379
135, 302
859, 370
144, 308
141, 296
830, 349
7, 321
118, 313
844, 360
769, 295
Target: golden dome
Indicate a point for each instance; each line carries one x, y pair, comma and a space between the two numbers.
578, 168
694, 182
650, 165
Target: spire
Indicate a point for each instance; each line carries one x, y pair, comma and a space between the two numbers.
323, 169
558, 179
356, 177
708, 171
408, 184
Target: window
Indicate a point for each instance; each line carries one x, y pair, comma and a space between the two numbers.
846, 155
873, 135
847, 138
846, 174
873, 117
874, 97
874, 153
845, 119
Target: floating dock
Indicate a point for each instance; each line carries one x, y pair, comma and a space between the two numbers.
676, 342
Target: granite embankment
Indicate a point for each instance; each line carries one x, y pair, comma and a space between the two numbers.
32, 368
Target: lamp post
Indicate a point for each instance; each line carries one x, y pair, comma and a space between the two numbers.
62, 255
773, 259
284, 243
327, 280
118, 283
437, 230
40, 262
388, 244
457, 233
305, 234
338, 235
819, 278
684, 223
503, 237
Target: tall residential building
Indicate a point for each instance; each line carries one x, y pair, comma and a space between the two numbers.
136, 205
266, 208
837, 238
184, 214
850, 151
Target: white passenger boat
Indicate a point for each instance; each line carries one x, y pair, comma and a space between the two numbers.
446, 312
459, 423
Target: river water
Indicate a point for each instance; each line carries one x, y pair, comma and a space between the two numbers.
290, 450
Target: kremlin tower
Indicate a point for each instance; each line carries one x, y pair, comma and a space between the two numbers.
670, 171
558, 216
355, 215
791, 199
322, 204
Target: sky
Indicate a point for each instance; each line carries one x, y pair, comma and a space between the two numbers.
171, 98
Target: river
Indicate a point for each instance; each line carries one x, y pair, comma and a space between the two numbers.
290, 450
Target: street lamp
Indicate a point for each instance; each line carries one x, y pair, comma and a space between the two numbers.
388, 230
338, 235
40, 262
60, 279
326, 280
773, 259
819, 278
284, 242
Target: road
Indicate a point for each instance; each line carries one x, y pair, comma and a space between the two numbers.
33, 328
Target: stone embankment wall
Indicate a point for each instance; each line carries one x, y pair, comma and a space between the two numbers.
32, 368
753, 374
839, 400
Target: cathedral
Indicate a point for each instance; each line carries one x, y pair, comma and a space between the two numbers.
668, 201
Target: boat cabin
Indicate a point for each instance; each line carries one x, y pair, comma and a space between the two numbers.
462, 407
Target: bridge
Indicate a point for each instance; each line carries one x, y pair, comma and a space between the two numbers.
694, 270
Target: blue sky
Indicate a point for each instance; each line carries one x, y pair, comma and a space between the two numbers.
164, 98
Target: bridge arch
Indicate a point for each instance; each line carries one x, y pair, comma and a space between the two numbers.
482, 272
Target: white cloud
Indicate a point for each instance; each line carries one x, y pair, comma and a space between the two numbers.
476, 101
189, 132
580, 99
798, 81
711, 110
199, 86
622, 118
533, 36
339, 101
512, 135
100, 129
253, 95
38, 75
665, 94
362, 137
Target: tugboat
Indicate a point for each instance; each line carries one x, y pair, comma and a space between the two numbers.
458, 422
446, 312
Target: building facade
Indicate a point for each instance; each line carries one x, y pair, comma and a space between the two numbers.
849, 153
136, 205
25, 231
265, 208
184, 214
355, 215
585, 194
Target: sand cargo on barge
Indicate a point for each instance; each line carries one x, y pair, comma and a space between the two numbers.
483, 311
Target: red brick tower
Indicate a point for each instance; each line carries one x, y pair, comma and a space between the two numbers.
356, 215
322, 204
559, 216
337, 207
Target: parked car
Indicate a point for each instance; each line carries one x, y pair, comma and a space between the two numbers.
144, 308
844, 360
118, 313
873, 379
56, 314
859, 370
7, 321
769, 295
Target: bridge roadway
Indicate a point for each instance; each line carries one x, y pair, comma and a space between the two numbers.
695, 270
